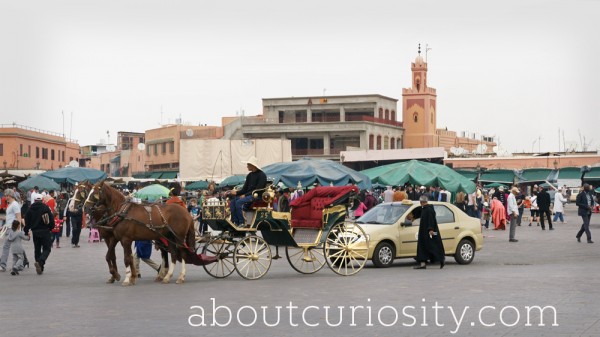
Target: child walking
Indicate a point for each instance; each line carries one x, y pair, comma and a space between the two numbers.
56, 231
15, 235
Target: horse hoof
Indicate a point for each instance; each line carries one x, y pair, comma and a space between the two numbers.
158, 279
126, 284
110, 280
165, 281
179, 281
118, 278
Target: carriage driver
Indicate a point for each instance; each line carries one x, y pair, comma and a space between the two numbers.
255, 180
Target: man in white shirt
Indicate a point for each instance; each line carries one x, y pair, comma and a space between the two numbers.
513, 211
388, 194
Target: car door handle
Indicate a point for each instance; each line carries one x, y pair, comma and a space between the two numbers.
456, 227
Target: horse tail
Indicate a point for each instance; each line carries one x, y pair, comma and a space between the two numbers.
190, 238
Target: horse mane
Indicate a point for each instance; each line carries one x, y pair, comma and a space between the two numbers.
113, 198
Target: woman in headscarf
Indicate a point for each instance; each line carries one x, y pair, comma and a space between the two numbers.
498, 214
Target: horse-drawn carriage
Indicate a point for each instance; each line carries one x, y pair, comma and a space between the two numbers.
313, 233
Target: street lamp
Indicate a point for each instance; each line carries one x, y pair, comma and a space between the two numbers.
555, 164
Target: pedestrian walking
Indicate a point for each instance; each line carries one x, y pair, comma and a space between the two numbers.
40, 221
13, 212
585, 202
15, 236
559, 203
429, 243
543, 201
513, 210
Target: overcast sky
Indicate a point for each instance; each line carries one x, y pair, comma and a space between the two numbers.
515, 69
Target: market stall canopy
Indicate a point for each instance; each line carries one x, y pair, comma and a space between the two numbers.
74, 175
420, 173
233, 180
498, 176
537, 175
40, 181
198, 185
152, 192
308, 171
569, 173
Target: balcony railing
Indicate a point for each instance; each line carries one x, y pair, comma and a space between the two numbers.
24, 127
325, 119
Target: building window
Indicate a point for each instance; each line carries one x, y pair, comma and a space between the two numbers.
392, 143
371, 142
164, 148
387, 114
393, 115
63, 156
378, 142
1, 149
37, 152
44, 153
51, 154
29, 151
21, 150
416, 117
148, 150
155, 149
172, 147
386, 142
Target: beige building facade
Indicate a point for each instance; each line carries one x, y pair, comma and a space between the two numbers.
23, 147
323, 126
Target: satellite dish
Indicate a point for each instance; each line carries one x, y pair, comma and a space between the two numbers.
454, 151
495, 149
141, 146
189, 132
73, 163
483, 148
110, 148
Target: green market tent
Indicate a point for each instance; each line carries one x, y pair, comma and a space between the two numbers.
420, 173
598, 190
309, 171
198, 185
74, 175
40, 181
233, 180
152, 192
506, 177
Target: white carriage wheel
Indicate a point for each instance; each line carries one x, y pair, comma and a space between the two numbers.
305, 260
223, 249
346, 249
252, 257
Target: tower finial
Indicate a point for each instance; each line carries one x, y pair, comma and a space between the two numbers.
419, 49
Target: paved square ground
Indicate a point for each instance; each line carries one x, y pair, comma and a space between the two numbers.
545, 268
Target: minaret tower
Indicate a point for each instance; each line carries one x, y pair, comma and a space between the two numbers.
418, 108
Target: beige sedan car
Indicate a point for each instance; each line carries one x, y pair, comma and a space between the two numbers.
392, 230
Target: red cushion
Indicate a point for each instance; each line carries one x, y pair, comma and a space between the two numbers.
306, 223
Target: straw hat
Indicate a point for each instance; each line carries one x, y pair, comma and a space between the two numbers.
252, 161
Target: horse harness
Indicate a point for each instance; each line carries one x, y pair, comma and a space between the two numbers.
122, 214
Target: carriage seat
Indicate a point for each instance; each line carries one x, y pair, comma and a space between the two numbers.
307, 211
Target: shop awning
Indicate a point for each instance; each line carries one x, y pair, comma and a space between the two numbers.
168, 175
498, 176
594, 174
538, 175
155, 175
471, 175
569, 173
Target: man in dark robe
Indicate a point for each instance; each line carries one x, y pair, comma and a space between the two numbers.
429, 245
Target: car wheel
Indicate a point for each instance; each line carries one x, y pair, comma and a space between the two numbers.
465, 252
383, 256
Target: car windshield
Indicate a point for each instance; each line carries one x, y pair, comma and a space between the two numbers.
384, 214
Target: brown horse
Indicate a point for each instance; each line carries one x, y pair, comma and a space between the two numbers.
100, 214
130, 221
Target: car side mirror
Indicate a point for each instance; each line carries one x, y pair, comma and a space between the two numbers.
406, 223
